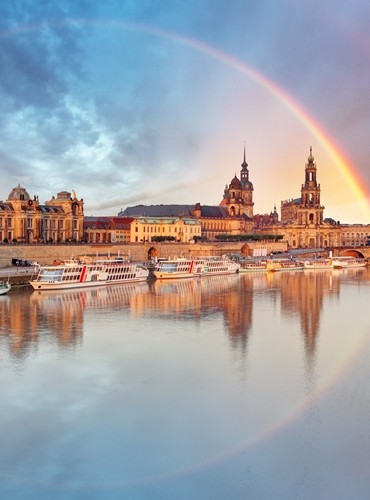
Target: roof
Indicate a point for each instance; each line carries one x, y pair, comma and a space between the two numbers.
107, 222
158, 211
189, 221
218, 212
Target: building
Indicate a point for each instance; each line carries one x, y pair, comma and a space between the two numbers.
107, 229
302, 222
234, 215
23, 219
180, 229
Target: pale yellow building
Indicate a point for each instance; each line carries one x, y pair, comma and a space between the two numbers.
180, 229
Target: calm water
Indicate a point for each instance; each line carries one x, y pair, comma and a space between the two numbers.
240, 387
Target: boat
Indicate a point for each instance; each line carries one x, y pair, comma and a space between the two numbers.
317, 264
253, 266
79, 274
210, 266
175, 268
5, 286
346, 262
274, 265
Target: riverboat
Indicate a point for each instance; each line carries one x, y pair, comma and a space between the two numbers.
253, 266
4, 287
210, 266
175, 268
346, 262
78, 274
317, 264
274, 265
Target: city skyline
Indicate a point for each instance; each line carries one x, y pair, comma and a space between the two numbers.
152, 103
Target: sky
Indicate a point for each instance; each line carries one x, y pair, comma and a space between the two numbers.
132, 102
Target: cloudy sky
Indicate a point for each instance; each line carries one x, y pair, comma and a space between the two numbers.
143, 102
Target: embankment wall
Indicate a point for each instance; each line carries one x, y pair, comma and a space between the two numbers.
47, 254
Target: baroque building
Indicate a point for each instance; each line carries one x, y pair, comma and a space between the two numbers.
302, 222
23, 219
61, 219
234, 215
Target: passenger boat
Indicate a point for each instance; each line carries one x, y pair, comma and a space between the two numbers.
175, 268
253, 266
78, 274
346, 262
274, 265
210, 266
4, 287
317, 264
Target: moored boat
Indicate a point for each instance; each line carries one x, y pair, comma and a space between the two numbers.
78, 274
274, 265
253, 266
175, 268
210, 266
346, 262
4, 287
317, 264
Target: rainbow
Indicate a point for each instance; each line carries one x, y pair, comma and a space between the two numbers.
348, 171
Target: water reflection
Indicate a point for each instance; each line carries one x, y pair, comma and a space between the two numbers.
27, 317
141, 386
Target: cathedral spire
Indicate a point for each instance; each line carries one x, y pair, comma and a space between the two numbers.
244, 165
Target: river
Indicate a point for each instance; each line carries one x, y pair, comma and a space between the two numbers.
251, 386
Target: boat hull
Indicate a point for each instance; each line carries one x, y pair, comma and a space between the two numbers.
4, 288
37, 285
80, 275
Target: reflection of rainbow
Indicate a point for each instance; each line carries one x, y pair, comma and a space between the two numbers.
348, 171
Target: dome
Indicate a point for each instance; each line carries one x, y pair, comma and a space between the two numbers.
248, 185
19, 193
235, 183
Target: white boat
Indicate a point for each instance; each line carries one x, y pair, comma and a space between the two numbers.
346, 262
274, 265
317, 264
77, 274
175, 268
253, 266
210, 266
4, 287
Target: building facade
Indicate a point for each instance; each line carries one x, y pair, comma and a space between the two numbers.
302, 222
61, 219
107, 229
234, 215
23, 219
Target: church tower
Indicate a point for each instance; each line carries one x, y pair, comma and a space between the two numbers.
310, 211
238, 195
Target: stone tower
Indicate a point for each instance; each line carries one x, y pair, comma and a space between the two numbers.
238, 195
310, 211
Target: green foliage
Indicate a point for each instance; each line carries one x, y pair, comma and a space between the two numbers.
160, 239
248, 237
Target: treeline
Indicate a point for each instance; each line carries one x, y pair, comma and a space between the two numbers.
248, 237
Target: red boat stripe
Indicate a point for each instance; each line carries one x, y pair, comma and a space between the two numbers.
83, 272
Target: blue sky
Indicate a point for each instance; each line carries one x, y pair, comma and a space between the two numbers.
130, 102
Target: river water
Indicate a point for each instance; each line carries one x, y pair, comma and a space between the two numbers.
240, 387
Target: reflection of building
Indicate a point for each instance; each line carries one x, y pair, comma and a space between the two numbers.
199, 298
303, 293
25, 220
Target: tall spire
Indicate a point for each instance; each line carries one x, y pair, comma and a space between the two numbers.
244, 164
